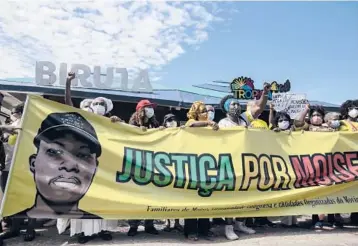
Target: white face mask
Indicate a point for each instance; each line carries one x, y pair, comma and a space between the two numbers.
149, 112
211, 115
284, 125
335, 124
353, 113
99, 109
171, 124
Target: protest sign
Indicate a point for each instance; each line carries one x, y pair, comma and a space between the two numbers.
72, 163
291, 103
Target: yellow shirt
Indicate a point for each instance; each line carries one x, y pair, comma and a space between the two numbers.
259, 124
349, 126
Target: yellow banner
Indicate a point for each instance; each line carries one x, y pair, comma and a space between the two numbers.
71, 163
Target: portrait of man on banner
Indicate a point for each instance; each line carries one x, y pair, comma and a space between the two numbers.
63, 166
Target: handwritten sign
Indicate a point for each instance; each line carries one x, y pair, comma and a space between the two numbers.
291, 103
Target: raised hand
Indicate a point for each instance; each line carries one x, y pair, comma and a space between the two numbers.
71, 76
267, 88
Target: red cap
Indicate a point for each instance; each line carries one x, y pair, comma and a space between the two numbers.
144, 103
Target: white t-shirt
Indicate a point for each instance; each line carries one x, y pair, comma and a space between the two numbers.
245, 120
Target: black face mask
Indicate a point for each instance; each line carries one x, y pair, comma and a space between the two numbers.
234, 112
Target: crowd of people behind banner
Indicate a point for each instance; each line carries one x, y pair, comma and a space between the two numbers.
313, 118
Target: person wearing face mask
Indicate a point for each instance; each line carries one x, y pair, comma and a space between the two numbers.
332, 120
211, 112
234, 117
349, 114
143, 117
170, 121
316, 123
231, 106
100, 105
281, 121
198, 117
86, 105
88, 229
316, 116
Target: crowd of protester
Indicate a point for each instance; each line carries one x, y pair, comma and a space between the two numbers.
313, 118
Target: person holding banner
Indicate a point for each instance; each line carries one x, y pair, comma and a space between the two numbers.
211, 112
86, 229
170, 121
143, 117
281, 121
332, 119
234, 117
316, 116
349, 114
198, 117
9, 139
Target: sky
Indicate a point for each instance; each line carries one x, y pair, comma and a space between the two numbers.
314, 44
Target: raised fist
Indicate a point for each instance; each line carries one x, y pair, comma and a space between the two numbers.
71, 76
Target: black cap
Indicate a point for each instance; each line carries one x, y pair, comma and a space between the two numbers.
56, 124
168, 116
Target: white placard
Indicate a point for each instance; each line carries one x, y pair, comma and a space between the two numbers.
291, 103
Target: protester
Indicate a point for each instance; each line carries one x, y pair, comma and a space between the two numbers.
143, 117
235, 117
349, 114
332, 120
198, 117
171, 121
86, 229
9, 140
281, 121
211, 112
316, 116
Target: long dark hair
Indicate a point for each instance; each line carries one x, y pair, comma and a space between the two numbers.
345, 107
281, 115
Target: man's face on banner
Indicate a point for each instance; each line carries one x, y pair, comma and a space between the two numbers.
63, 168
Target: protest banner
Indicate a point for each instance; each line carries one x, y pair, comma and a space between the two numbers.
71, 163
291, 103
